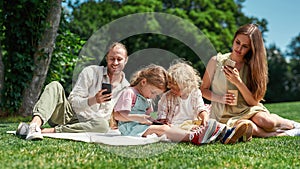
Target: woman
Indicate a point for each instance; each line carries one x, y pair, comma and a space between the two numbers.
245, 71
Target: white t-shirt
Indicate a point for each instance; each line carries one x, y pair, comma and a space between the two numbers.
177, 110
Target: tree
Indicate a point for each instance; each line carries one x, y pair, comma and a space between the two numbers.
28, 43
42, 58
1, 73
278, 87
1, 62
218, 20
294, 53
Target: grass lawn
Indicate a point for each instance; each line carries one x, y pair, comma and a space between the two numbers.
276, 152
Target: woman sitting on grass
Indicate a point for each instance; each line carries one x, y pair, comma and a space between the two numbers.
248, 77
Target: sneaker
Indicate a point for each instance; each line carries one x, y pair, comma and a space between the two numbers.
293, 132
211, 130
202, 134
248, 135
34, 132
232, 135
217, 134
22, 130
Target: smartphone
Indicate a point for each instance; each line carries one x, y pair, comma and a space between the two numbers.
230, 63
106, 86
157, 123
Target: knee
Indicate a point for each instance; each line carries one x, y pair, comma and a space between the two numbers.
264, 121
54, 85
165, 128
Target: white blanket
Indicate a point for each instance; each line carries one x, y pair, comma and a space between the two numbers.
112, 137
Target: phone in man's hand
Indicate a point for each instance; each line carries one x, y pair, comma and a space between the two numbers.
106, 86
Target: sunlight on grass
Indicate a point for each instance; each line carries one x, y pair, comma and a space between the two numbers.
276, 152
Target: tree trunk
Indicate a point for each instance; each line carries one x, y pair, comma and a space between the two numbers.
42, 59
1, 74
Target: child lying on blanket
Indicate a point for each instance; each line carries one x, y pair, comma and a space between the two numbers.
184, 107
132, 111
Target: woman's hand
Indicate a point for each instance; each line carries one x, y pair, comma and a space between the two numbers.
232, 75
229, 98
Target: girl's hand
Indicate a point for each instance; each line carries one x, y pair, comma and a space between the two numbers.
204, 117
164, 121
232, 74
144, 119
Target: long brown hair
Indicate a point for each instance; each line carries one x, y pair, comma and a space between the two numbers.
256, 58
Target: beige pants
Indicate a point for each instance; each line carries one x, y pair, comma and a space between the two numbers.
53, 107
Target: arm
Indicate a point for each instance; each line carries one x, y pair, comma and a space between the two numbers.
125, 116
99, 98
79, 96
232, 74
82, 95
200, 108
204, 116
162, 109
206, 82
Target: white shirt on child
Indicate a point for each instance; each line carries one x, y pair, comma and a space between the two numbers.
177, 110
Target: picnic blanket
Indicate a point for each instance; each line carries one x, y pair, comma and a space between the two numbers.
113, 137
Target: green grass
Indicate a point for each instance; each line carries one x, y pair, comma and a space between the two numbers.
276, 152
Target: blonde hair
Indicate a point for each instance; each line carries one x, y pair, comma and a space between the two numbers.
256, 58
154, 74
184, 75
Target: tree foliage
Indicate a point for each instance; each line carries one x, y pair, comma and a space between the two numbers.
278, 75
23, 24
218, 20
294, 54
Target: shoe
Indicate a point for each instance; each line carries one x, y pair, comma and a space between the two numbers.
248, 135
202, 134
232, 135
22, 130
34, 132
293, 132
211, 130
218, 133
198, 134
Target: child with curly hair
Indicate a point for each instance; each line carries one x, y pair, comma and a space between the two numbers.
183, 107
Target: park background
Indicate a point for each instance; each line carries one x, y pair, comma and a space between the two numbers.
31, 56
41, 40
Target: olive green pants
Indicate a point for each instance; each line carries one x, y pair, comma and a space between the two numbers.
53, 107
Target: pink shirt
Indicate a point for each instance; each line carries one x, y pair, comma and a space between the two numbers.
127, 100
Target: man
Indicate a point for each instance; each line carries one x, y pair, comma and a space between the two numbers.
87, 108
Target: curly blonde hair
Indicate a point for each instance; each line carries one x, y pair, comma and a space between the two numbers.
155, 75
184, 75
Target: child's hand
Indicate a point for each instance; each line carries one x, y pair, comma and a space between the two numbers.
164, 121
204, 116
144, 119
